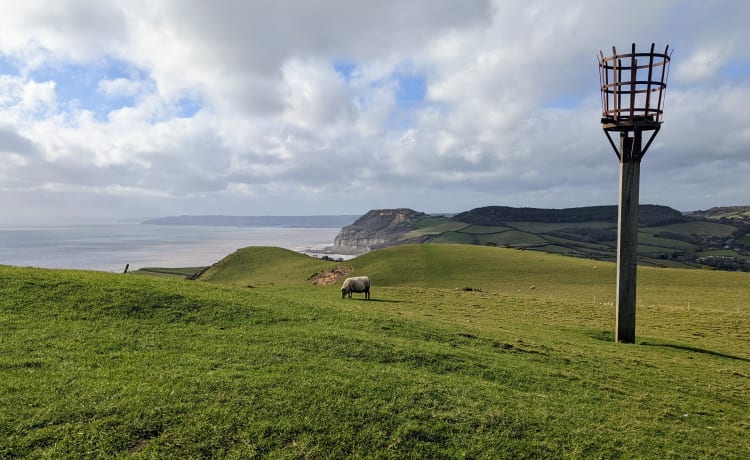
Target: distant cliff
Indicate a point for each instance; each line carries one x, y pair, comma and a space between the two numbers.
376, 229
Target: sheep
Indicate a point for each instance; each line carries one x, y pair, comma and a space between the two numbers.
356, 284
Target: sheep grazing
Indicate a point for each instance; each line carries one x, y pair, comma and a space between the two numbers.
356, 284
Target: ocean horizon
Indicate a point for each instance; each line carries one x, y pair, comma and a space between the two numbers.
110, 247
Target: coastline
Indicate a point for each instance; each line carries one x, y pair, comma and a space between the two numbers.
109, 247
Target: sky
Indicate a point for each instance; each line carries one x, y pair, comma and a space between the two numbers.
117, 110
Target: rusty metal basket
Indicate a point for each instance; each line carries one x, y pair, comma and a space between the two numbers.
633, 86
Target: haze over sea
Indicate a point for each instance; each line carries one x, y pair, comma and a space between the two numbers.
108, 247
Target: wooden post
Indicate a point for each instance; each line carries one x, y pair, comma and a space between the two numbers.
627, 235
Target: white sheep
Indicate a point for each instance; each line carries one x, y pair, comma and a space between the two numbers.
356, 284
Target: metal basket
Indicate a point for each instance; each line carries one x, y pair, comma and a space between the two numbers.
633, 86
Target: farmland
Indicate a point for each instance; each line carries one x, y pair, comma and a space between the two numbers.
666, 238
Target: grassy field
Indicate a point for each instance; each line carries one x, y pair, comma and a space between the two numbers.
463, 351
175, 273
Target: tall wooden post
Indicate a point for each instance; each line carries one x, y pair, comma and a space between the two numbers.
627, 236
632, 87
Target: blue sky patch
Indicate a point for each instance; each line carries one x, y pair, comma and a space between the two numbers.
77, 85
565, 101
344, 68
410, 96
187, 107
7, 67
737, 69
412, 89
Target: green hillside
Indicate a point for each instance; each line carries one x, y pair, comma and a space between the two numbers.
666, 237
648, 215
258, 266
489, 269
741, 213
464, 351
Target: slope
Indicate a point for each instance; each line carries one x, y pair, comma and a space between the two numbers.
100, 365
492, 269
257, 266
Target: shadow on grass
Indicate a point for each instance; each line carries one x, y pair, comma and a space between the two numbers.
609, 336
677, 346
604, 336
362, 299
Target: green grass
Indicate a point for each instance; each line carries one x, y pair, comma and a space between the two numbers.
675, 246
555, 249
544, 227
512, 238
456, 237
482, 229
258, 266
695, 228
722, 252
100, 365
649, 239
650, 250
731, 214
177, 273
436, 225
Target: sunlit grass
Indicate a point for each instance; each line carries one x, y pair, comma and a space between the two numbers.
104, 365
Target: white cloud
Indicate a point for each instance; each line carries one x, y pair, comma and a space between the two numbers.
237, 107
38, 32
28, 98
703, 64
122, 87
315, 95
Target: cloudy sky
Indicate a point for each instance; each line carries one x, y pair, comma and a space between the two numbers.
139, 108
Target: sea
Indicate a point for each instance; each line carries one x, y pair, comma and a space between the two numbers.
110, 247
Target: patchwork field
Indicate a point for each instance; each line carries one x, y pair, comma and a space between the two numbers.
592, 233
463, 351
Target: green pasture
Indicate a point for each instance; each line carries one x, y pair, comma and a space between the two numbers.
731, 214
545, 227
432, 223
511, 238
695, 228
484, 230
650, 239
555, 249
582, 249
723, 253
456, 238
264, 266
675, 245
651, 250
434, 226
176, 273
463, 352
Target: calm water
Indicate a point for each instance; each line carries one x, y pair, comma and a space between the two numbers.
110, 247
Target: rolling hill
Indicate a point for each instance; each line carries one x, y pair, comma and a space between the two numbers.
486, 269
667, 238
